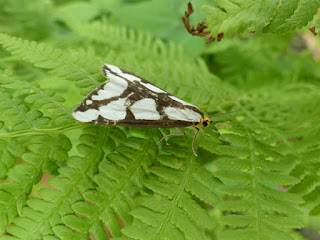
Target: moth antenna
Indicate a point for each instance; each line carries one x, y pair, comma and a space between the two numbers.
218, 114
225, 141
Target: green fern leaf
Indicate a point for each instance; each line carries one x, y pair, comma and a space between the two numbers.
60, 202
254, 179
18, 116
302, 15
229, 17
9, 150
43, 153
285, 11
172, 209
38, 97
70, 65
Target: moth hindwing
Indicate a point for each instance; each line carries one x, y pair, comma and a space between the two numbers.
129, 100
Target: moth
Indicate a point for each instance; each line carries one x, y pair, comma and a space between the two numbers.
129, 100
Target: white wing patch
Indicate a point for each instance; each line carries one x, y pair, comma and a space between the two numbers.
114, 68
115, 110
129, 77
180, 101
86, 116
145, 109
182, 114
152, 88
111, 89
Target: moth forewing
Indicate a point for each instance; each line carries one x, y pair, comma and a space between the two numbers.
129, 100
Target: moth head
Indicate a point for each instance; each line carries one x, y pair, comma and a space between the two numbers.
205, 122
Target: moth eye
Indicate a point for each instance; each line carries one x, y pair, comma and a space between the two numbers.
205, 123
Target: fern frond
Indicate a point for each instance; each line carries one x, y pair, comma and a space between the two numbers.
229, 17
309, 184
18, 116
254, 204
57, 203
39, 98
70, 65
43, 154
119, 177
92, 206
173, 209
303, 13
9, 151
298, 145
26, 136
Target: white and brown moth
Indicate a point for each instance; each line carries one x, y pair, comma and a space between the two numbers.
129, 100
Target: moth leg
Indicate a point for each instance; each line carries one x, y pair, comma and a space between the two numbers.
194, 139
205, 132
182, 133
